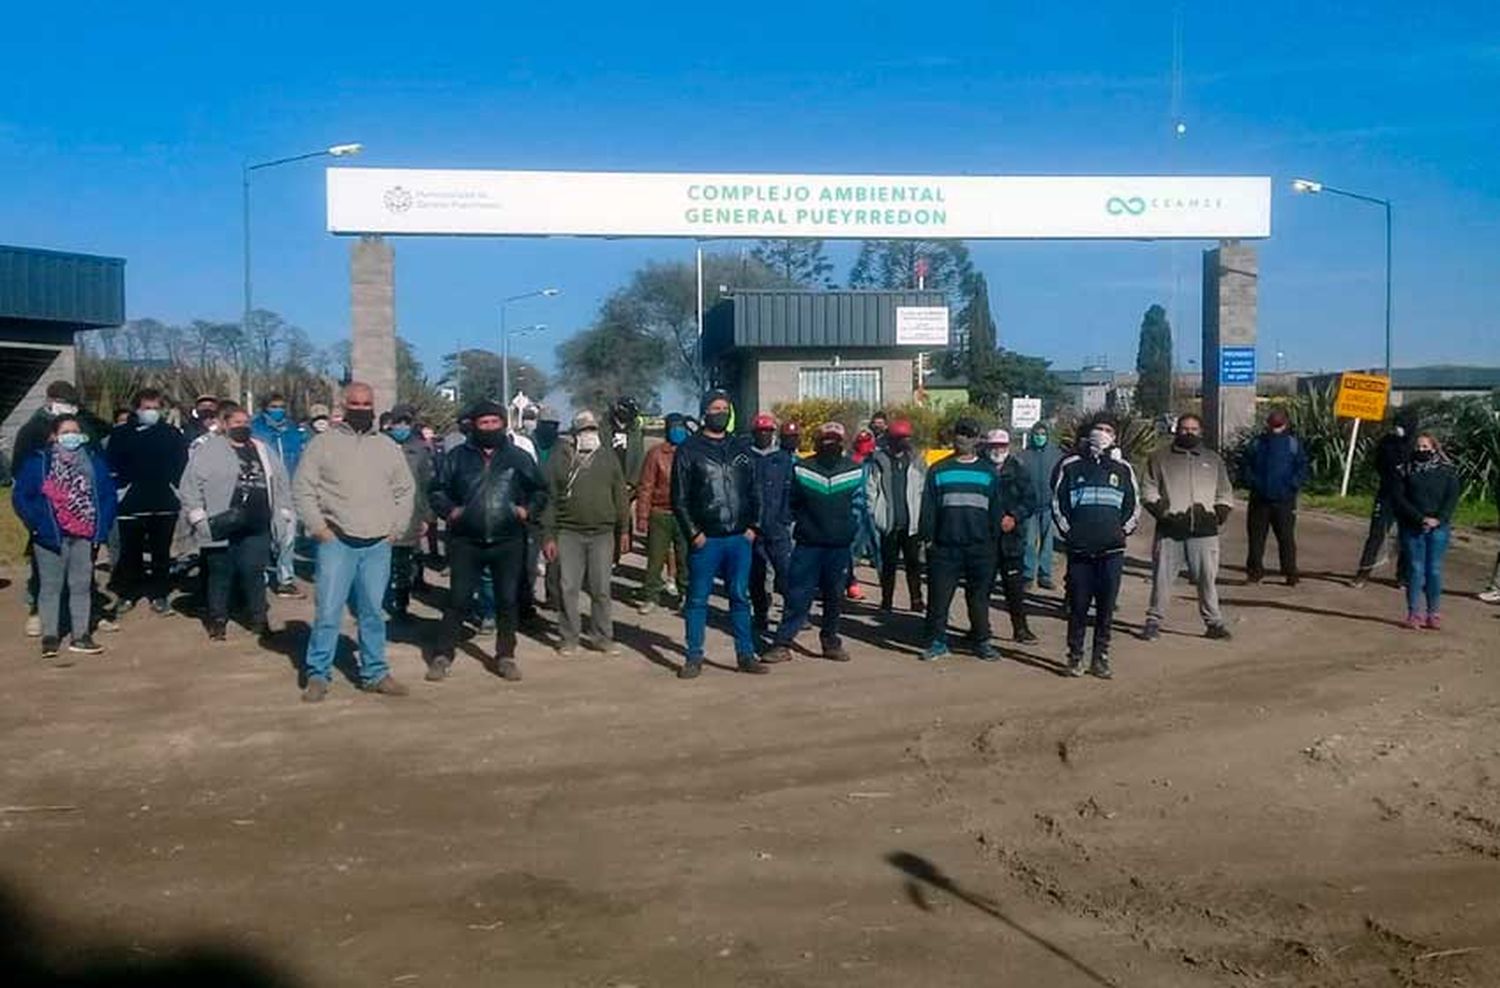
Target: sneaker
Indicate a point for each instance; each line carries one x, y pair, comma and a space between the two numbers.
1151, 631
288, 591
125, 606
1434, 622
690, 670
315, 690
33, 626
751, 665
84, 645
1025, 636
49, 648
1100, 668
1414, 621
649, 607
1076, 664
438, 671
509, 671
608, 647
160, 607
856, 592
1490, 596
834, 653
987, 652
107, 626
777, 653
935, 651
488, 626
1253, 578
1218, 632
386, 686
567, 650
216, 631
1360, 579
1046, 583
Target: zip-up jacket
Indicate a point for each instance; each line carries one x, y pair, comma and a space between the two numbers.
1094, 503
1392, 454
1187, 491
827, 500
653, 491
1275, 466
285, 437
422, 462
1039, 464
714, 492
1015, 501
962, 504
773, 475
35, 509
892, 476
1425, 490
585, 493
147, 462
488, 489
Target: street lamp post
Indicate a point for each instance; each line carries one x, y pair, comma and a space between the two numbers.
505, 339
1307, 186
335, 151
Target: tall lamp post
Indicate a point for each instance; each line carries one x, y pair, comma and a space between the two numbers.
1307, 186
505, 339
335, 151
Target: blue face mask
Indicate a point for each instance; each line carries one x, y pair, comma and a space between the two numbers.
677, 435
276, 414
401, 433
72, 441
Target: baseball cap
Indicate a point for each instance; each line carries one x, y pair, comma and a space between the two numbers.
997, 437
831, 429
584, 420
763, 420
900, 429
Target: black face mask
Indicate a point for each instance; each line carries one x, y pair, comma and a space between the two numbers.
764, 438
489, 438
240, 434
1424, 455
716, 421
896, 444
359, 419
1187, 440
830, 451
790, 443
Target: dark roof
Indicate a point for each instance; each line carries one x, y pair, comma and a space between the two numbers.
787, 319
81, 291
1440, 377
1085, 377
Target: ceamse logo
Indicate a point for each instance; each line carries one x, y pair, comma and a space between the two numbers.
397, 199
1120, 206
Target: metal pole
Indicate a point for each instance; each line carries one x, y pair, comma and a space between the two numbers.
1387, 290
245, 228
700, 291
1349, 460
504, 363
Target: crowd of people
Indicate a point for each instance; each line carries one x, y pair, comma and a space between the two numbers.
769, 513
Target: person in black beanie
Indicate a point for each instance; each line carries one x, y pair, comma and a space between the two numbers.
147, 456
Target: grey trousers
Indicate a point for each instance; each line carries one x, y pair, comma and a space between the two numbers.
72, 567
586, 562
1202, 558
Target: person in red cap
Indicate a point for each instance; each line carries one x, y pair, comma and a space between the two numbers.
772, 552
897, 475
1275, 469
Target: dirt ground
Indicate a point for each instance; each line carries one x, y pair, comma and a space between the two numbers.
1316, 802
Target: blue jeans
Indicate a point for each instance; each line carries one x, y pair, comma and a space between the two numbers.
355, 576
816, 571
286, 556
1424, 567
727, 556
1038, 538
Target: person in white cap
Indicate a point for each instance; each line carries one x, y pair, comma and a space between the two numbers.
1015, 501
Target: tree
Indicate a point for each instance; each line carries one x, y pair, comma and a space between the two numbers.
481, 374
1153, 364
797, 262
618, 355
976, 327
892, 265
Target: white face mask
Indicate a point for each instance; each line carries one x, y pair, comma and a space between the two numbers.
998, 455
320, 425
148, 416
212, 425
62, 408
587, 441
1100, 440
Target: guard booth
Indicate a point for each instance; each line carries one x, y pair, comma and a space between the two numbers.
46, 297
766, 347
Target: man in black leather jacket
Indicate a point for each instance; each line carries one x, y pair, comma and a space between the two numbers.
716, 501
486, 489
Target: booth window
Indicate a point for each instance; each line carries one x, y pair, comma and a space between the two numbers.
840, 384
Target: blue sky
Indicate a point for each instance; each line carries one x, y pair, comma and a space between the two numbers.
123, 126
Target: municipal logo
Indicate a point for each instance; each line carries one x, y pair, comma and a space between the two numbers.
397, 199
1119, 206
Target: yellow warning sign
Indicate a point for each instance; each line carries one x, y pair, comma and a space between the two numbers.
1362, 396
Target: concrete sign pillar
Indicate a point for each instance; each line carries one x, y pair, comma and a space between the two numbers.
1230, 280
372, 282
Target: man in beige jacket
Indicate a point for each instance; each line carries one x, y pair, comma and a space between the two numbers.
353, 493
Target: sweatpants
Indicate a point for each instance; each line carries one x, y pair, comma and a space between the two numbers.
1201, 555
585, 562
71, 568
1092, 580
948, 566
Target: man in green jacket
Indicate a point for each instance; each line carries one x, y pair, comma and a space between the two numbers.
586, 518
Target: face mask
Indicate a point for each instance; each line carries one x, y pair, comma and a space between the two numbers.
997, 456
213, 425
587, 441
489, 438
359, 419
205, 414
1038, 439
72, 441
897, 444
401, 433
830, 449
239, 434
965, 445
320, 425
716, 421
528, 427
790, 443
764, 439
1100, 440
276, 414
1189, 440
677, 435
1424, 455
62, 408
878, 430
148, 416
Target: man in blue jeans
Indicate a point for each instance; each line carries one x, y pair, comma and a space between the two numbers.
275, 427
717, 505
1040, 458
353, 493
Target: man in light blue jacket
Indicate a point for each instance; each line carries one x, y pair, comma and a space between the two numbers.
275, 427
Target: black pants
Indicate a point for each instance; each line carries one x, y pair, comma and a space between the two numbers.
243, 561
133, 578
1092, 580
772, 553
526, 589
895, 548
1281, 518
1381, 519
973, 566
1010, 577
466, 560
406, 571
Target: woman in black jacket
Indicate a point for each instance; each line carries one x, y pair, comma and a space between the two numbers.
1424, 498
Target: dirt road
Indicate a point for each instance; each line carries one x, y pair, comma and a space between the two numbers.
1314, 803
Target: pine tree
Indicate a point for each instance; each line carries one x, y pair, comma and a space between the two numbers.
799, 262
892, 265
1153, 364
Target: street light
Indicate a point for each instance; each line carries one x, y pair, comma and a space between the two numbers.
334, 151
505, 340
1307, 186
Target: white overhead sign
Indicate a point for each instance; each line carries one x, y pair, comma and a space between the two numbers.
922, 325
641, 204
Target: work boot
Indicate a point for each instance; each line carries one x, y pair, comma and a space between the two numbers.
1151, 630
508, 670
216, 630
690, 670
438, 671
315, 690
386, 686
1218, 632
751, 665
1076, 664
777, 653
1100, 668
833, 653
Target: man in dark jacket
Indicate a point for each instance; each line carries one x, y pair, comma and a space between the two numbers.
203, 418
147, 456
406, 551
486, 489
1392, 456
1275, 469
717, 504
961, 512
896, 477
772, 550
1040, 458
828, 492
1095, 507
1015, 501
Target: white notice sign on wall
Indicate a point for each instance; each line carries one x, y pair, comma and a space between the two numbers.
922, 325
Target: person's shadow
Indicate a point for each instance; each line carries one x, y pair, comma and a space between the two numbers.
290, 642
